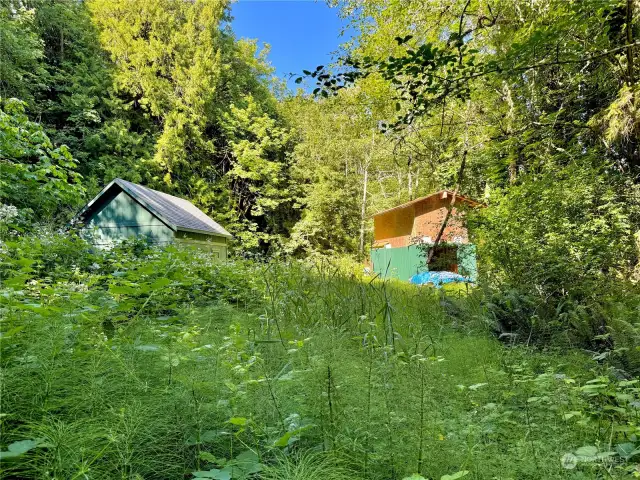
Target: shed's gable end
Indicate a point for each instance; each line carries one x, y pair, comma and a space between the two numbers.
123, 210
117, 216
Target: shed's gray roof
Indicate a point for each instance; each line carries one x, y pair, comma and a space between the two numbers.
177, 213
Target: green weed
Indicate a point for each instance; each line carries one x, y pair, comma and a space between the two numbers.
286, 370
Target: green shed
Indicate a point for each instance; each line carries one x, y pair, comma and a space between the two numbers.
124, 210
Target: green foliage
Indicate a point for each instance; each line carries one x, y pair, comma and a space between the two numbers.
537, 104
158, 92
329, 221
573, 246
168, 56
161, 363
68, 88
258, 175
39, 179
21, 51
244, 466
146, 363
424, 78
209, 126
343, 170
74, 107
308, 466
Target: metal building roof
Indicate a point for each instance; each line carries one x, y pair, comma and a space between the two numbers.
177, 213
442, 194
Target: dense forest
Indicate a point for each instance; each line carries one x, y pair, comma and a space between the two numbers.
290, 362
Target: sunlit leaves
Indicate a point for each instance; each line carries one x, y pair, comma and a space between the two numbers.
37, 177
423, 77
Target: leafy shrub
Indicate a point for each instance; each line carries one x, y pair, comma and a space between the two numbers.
37, 178
518, 315
134, 273
553, 247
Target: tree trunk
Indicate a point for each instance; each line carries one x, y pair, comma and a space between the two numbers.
363, 210
365, 184
455, 192
629, 32
631, 143
409, 179
513, 168
449, 209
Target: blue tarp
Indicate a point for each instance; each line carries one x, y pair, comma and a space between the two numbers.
438, 278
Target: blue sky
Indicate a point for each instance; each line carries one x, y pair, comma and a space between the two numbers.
302, 33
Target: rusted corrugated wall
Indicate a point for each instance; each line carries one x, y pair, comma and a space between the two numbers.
401, 226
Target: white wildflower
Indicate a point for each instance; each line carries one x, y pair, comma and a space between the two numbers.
7, 213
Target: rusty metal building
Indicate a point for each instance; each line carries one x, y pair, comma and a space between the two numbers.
403, 234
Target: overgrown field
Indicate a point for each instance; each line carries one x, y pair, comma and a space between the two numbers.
162, 365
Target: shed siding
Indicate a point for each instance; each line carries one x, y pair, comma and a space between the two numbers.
395, 225
122, 217
400, 230
423, 219
217, 245
429, 218
467, 265
401, 263
404, 262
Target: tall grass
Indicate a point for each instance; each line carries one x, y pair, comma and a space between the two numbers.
275, 371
